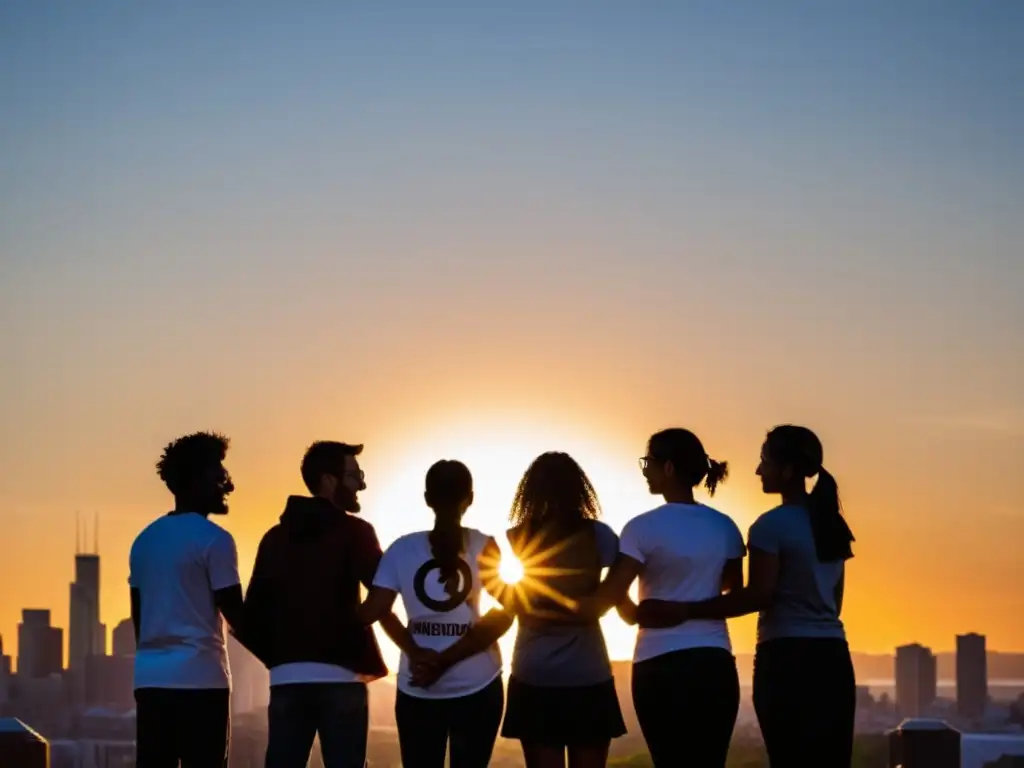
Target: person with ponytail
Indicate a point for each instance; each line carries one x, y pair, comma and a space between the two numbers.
450, 691
804, 685
686, 690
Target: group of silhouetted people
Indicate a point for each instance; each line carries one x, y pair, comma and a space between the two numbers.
302, 615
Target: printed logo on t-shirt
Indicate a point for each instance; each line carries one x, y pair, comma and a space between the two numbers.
438, 629
440, 610
456, 597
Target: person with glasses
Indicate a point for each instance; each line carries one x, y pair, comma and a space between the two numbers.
686, 690
301, 615
805, 690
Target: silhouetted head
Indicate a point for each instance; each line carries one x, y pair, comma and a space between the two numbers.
676, 459
790, 456
331, 471
449, 486
449, 493
555, 493
192, 468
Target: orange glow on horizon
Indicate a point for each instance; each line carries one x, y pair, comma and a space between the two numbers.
497, 452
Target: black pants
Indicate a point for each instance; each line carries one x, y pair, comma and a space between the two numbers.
805, 696
471, 723
298, 712
686, 703
192, 726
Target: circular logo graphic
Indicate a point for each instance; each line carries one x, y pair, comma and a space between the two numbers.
419, 584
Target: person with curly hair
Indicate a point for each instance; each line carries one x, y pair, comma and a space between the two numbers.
184, 579
561, 693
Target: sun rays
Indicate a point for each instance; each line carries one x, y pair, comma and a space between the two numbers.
510, 570
520, 583
497, 450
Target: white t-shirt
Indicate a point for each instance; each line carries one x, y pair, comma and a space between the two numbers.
683, 548
312, 672
177, 563
437, 619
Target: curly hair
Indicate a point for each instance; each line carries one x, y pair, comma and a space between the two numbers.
554, 491
185, 458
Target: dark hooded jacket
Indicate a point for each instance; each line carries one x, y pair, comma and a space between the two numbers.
302, 598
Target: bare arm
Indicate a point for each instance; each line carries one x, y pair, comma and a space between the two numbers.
377, 606
840, 592
764, 578
478, 638
613, 591
627, 610
399, 634
230, 603
732, 575
221, 560
136, 601
764, 575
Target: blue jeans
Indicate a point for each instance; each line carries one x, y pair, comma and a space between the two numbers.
338, 712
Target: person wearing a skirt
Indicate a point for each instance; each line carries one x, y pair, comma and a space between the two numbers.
450, 693
561, 695
804, 685
686, 690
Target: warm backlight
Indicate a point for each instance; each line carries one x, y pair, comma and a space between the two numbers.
497, 453
510, 570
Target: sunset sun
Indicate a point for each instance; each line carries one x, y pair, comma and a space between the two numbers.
511, 570
394, 499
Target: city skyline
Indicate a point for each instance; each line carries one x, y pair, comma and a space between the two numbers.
121, 637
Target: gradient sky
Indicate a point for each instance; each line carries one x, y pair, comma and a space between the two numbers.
449, 230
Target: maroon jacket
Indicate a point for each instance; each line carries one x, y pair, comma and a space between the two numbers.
302, 598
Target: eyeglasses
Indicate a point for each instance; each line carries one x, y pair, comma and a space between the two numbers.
356, 474
645, 461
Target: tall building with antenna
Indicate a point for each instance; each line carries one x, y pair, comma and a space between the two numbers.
87, 636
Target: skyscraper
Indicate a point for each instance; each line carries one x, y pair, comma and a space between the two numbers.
40, 646
971, 675
87, 634
123, 639
5, 675
916, 680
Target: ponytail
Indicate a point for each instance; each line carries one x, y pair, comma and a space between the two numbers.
691, 462
800, 449
446, 546
449, 487
717, 472
832, 534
